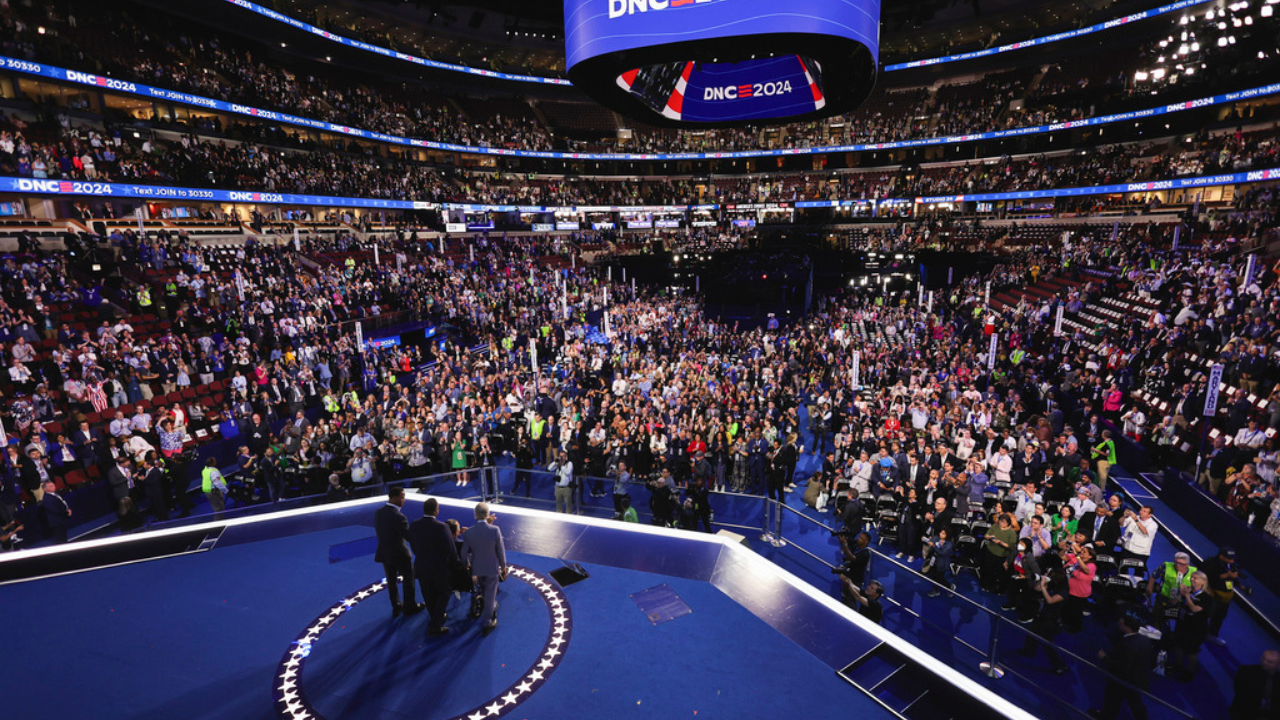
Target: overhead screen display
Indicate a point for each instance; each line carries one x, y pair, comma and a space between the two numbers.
715, 92
723, 61
600, 27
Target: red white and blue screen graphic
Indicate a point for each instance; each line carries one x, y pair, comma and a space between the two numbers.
600, 27
724, 92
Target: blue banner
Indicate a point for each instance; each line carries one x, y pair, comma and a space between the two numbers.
1045, 40
1150, 186
156, 192
124, 86
160, 192
385, 52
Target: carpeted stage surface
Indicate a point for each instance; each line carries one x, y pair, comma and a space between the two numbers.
201, 636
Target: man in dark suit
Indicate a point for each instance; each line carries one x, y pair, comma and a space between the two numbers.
1101, 529
393, 551
120, 477
435, 558
56, 511
34, 474
1130, 660
1258, 690
153, 485
484, 551
87, 443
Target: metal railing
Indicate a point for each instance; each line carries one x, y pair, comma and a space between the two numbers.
975, 639
983, 637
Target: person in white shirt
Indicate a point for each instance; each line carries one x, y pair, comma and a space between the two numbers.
1135, 422
1250, 438
563, 468
1081, 503
120, 427
965, 445
1001, 465
1027, 498
1139, 533
862, 469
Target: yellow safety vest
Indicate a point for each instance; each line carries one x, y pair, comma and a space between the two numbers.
207, 479
1169, 588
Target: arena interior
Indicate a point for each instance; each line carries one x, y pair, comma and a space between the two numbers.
935, 374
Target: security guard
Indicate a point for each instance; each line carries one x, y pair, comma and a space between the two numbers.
214, 485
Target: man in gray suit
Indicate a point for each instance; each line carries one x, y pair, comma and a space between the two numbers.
483, 550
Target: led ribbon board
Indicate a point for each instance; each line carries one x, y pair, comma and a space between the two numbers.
133, 88
720, 63
155, 192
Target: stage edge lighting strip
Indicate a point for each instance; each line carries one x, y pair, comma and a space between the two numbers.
1056, 37
124, 86
746, 558
153, 192
386, 52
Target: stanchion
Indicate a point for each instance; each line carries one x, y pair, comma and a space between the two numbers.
777, 525
991, 667
767, 535
492, 472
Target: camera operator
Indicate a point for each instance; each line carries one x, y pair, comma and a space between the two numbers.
866, 600
856, 557
1224, 576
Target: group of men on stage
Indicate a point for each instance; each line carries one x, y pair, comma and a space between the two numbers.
444, 559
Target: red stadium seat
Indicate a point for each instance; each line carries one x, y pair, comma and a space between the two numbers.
76, 477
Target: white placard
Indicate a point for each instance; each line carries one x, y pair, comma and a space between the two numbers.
991, 353
1211, 398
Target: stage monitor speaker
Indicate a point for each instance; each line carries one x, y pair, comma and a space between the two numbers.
570, 574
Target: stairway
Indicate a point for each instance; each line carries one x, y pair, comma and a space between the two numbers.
1043, 290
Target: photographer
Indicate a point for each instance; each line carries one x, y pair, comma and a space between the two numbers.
1048, 621
1139, 534
866, 601
856, 557
1224, 576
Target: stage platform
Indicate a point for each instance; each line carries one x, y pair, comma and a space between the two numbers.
284, 616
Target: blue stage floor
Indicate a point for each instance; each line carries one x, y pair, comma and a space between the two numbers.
202, 636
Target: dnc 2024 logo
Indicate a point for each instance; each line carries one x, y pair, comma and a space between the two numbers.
619, 8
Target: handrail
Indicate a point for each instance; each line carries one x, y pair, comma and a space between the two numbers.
998, 621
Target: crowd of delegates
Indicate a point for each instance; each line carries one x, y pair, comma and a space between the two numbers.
83, 152
156, 49
676, 405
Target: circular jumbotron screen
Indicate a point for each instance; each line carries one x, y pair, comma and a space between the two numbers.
720, 63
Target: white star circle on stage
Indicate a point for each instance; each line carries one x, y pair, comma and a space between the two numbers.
292, 705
